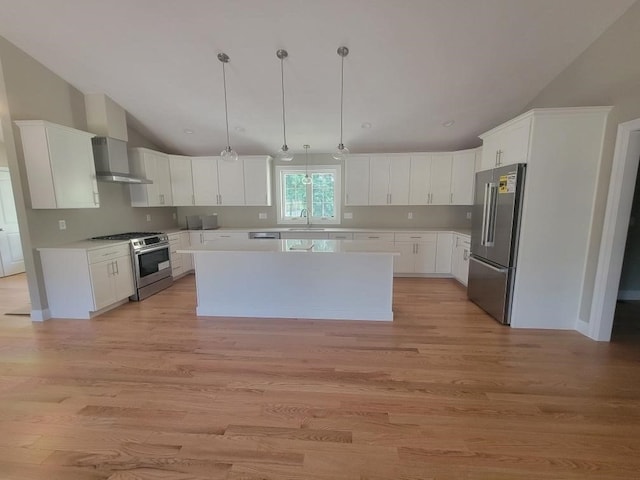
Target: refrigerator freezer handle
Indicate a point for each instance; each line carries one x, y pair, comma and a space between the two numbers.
490, 233
485, 214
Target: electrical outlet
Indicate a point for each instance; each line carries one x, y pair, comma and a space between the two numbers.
348, 215
174, 215
62, 224
262, 215
468, 215
148, 217
410, 215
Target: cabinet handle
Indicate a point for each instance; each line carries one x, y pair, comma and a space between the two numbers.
390, 199
451, 198
202, 238
415, 237
466, 255
96, 198
373, 237
193, 199
496, 162
117, 268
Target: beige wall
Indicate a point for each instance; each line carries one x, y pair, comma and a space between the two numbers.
29, 92
363, 217
607, 73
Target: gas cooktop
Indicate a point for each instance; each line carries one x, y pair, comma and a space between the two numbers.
127, 236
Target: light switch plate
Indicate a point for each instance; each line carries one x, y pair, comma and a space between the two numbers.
262, 215
62, 224
348, 215
468, 215
174, 215
148, 217
410, 215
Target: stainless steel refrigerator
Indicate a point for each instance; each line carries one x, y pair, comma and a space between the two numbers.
494, 239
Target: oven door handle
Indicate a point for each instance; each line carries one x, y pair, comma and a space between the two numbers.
137, 253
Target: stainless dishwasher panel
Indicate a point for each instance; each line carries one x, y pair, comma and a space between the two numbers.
264, 235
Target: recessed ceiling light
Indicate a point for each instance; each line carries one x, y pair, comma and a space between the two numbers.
448, 123
239, 129
366, 125
188, 131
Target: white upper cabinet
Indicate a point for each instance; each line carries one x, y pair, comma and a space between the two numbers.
462, 177
506, 144
205, 180
430, 179
257, 180
60, 166
231, 182
154, 166
181, 180
357, 180
389, 180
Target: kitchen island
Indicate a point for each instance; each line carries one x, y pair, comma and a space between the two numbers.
318, 279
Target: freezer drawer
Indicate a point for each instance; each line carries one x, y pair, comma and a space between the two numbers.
489, 288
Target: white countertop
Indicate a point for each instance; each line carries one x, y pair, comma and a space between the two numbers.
291, 247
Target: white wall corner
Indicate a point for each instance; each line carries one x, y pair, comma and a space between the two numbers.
40, 315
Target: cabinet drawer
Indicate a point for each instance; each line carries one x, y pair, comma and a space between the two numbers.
378, 236
107, 253
463, 241
416, 237
340, 236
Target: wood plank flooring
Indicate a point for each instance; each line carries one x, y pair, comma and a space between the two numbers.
150, 391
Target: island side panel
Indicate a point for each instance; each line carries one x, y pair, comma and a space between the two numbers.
295, 285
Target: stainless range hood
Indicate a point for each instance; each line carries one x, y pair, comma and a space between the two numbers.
112, 161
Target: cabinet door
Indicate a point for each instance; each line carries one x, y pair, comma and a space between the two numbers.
399, 168
444, 253
257, 181
419, 179
462, 177
163, 179
405, 262
515, 143
123, 279
187, 258
102, 283
196, 238
231, 182
441, 178
357, 181
379, 180
205, 180
73, 169
181, 180
425, 257
490, 147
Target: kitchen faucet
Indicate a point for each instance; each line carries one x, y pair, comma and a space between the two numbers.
305, 213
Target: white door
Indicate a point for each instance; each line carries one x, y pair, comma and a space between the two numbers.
11, 259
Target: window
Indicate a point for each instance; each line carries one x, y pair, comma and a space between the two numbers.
319, 201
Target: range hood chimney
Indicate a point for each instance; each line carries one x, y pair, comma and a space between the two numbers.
108, 120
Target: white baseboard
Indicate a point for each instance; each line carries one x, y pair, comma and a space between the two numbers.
629, 295
40, 315
582, 327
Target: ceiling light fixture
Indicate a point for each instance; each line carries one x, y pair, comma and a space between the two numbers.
283, 155
448, 123
307, 179
366, 125
188, 131
342, 152
228, 153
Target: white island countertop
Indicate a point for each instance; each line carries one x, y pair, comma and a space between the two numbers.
292, 246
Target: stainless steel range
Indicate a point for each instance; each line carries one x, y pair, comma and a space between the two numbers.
150, 261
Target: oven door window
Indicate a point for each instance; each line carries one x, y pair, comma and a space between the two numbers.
153, 262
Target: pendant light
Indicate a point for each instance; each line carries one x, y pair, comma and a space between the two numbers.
283, 155
307, 179
342, 152
228, 153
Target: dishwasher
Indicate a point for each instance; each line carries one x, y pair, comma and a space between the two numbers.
264, 235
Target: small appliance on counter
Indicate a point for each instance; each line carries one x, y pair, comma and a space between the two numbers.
202, 222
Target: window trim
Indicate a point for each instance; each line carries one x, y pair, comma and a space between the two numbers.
336, 170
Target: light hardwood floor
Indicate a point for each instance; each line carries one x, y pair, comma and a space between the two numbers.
150, 391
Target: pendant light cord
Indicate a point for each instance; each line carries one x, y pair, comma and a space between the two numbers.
284, 124
226, 112
341, 95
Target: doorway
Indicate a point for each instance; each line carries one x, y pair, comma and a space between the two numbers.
620, 197
11, 257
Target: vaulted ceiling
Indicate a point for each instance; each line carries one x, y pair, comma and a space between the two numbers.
413, 65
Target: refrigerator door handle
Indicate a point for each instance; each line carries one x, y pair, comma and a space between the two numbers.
490, 233
485, 214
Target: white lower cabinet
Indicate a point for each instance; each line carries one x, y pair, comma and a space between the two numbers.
445, 250
181, 263
460, 258
304, 235
417, 252
80, 282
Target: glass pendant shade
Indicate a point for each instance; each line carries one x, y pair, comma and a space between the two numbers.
284, 155
341, 152
306, 180
229, 155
